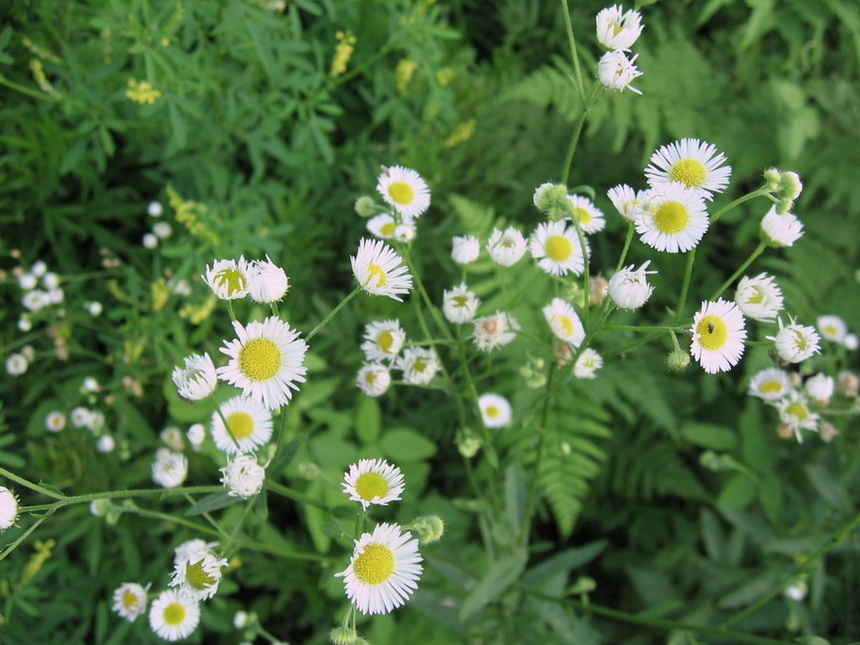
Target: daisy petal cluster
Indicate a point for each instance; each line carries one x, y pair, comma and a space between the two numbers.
495, 330
383, 340
419, 365
674, 218
719, 332
243, 476
8, 508
795, 343
587, 364
780, 230
590, 218
197, 379
380, 271
460, 304
197, 571
373, 481
129, 601
465, 249
693, 163
557, 249
629, 289
228, 279
564, 322
759, 298
617, 29
616, 71
174, 615
506, 247
405, 190
169, 468
626, 201
496, 411
373, 379
241, 425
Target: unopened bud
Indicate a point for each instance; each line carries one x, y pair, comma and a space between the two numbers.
343, 635
429, 528
790, 185
827, 431
784, 431
548, 198
365, 206
784, 206
677, 360
771, 177
469, 446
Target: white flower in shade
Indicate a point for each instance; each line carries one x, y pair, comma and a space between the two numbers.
80, 417
616, 71
847, 384
16, 364
39, 268
404, 233
228, 279
382, 226
8, 508
55, 421
795, 343
36, 300
832, 328
172, 436
465, 249
373, 379
405, 190
591, 218
759, 298
419, 365
50, 281
695, 164
820, 388
674, 218
249, 425
56, 296
373, 481
506, 247
780, 230
243, 476
94, 308
169, 469
105, 444
851, 342
27, 281
718, 336
154, 209
129, 600
459, 304
267, 282
149, 240
564, 323
265, 361
383, 571
24, 323
616, 29
162, 230
197, 379
383, 340
587, 364
495, 330
189, 547
379, 270
496, 411
197, 573
629, 289
770, 384
96, 420
557, 249
795, 413
174, 615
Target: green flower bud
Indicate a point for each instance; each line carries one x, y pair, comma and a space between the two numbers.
549, 195
771, 177
790, 186
343, 635
429, 528
469, 446
365, 206
784, 206
677, 360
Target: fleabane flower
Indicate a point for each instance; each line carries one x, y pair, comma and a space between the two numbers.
770, 384
795, 343
590, 218
243, 476
494, 330
198, 573
629, 289
373, 379
564, 322
174, 615
249, 426
267, 282
557, 249
379, 270
820, 388
419, 365
496, 411
405, 190
383, 571
759, 298
693, 163
265, 361
780, 230
373, 481
506, 247
383, 340
465, 249
55, 421
617, 29
616, 71
718, 336
197, 379
129, 601
626, 201
16, 364
382, 226
169, 468
460, 304
228, 279
8, 508
587, 364
832, 328
674, 218
794, 412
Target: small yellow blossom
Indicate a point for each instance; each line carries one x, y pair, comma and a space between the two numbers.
142, 92
198, 313
160, 294
461, 133
42, 79
403, 73
342, 53
444, 76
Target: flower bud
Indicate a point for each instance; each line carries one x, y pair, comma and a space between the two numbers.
429, 528
343, 635
549, 197
677, 360
771, 178
365, 206
790, 185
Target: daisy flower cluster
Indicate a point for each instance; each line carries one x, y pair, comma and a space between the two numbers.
385, 351
617, 30
88, 416
406, 197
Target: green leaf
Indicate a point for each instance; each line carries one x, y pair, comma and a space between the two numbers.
516, 492
368, 422
404, 444
564, 562
261, 506
285, 455
498, 580
212, 502
709, 435
739, 492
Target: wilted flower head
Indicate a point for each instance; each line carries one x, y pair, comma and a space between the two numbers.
629, 289
616, 71
617, 29
267, 282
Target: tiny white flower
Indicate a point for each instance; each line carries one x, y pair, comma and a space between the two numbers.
383, 340
617, 30
243, 476
419, 365
506, 247
267, 282
781, 230
587, 364
94, 308
169, 469
228, 279
8, 508
820, 388
16, 364
129, 601
770, 384
150, 241
373, 481
39, 268
197, 573
494, 331
851, 342
55, 421
172, 436
590, 218
616, 71
629, 289
794, 412
56, 296
795, 343
832, 328
465, 249
248, 425
197, 379
719, 332
382, 226
50, 281
36, 300
674, 218
759, 298
459, 304
196, 434
162, 230
24, 323
694, 163
28, 281
105, 444
90, 384
496, 411
373, 379
405, 190
557, 249
380, 271
404, 233
626, 201
154, 209
81, 417
174, 615
564, 322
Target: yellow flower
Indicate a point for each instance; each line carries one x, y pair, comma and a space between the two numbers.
142, 92
342, 52
403, 73
461, 133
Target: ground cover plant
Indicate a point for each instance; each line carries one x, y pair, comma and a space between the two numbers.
347, 322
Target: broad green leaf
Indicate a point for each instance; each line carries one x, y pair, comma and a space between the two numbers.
498, 580
405, 444
368, 419
710, 435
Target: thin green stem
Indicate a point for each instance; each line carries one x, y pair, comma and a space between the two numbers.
626, 248
757, 252
332, 313
577, 131
294, 495
531, 496
28, 484
740, 200
685, 287
571, 40
120, 494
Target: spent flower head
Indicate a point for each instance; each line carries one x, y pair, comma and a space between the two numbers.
616, 71
629, 288
243, 476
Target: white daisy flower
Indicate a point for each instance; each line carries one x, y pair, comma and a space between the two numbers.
16, 364
373, 379
267, 282
404, 233
496, 411
405, 190
794, 412
197, 574
80, 417
795, 343
718, 336
459, 304
197, 379
820, 388
24, 323
249, 426
770, 384
174, 615
243, 476
616, 71
674, 218
149, 240
591, 218
105, 444
564, 323
847, 384
162, 230
172, 436
851, 342
373, 481
587, 364
383, 340
419, 365
780, 230
55, 421
94, 308
626, 201
494, 331
629, 289
39, 268
169, 469
379, 270
832, 328
759, 298
506, 247
129, 600
383, 571
154, 209
265, 361
228, 279
27, 281
50, 281
694, 163
557, 249
182, 551
8, 508
96, 420
382, 226
196, 434
36, 300
465, 249
617, 30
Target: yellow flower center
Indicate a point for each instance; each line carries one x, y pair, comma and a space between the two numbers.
689, 171
370, 378
460, 301
770, 386
565, 323
370, 485
233, 281
197, 577
174, 614
240, 424
385, 341
493, 412
401, 192
375, 565
798, 410
129, 598
419, 365
672, 217
831, 330
379, 272
800, 341
388, 228
617, 29
712, 332
582, 215
559, 248
756, 297
260, 359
